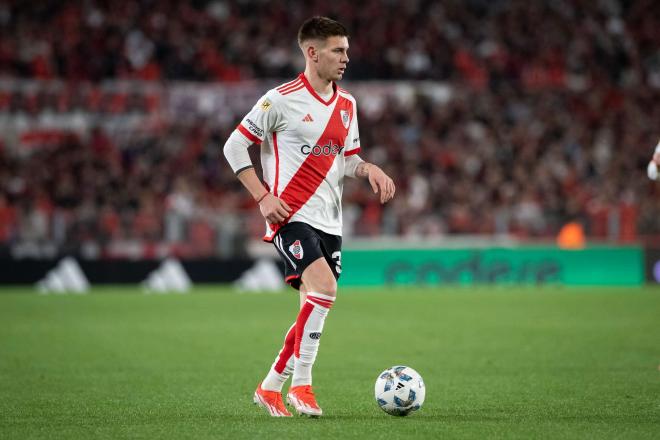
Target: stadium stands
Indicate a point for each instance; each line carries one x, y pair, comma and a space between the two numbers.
494, 117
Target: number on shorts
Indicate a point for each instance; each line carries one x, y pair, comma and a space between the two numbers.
337, 257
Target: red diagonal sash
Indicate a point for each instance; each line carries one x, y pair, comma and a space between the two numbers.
314, 169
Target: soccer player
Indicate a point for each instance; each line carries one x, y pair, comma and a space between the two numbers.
652, 169
308, 133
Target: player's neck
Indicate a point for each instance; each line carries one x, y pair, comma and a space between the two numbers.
320, 85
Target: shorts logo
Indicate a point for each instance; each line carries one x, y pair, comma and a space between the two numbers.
345, 117
315, 335
296, 250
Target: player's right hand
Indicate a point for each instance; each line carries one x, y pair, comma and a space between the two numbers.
274, 209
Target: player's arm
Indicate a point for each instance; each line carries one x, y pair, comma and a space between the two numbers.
380, 182
274, 209
354, 166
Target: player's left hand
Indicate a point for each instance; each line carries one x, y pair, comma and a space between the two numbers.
381, 182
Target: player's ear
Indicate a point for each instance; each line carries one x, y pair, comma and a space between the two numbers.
312, 53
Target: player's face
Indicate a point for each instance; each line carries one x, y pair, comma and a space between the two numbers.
333, 58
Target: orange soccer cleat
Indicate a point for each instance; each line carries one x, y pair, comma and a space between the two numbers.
271, 401
303, 400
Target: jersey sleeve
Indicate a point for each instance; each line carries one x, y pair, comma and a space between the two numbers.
353, 138
267, 116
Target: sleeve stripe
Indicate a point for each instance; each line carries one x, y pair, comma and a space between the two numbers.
288, 86
295, 89
248, 135
352, 152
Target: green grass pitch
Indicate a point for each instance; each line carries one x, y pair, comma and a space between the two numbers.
523, 362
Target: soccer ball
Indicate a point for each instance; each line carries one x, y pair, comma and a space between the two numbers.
400, 390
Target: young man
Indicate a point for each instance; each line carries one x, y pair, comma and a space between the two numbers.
309, 138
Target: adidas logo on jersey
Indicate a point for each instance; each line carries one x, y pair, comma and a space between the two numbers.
308, 118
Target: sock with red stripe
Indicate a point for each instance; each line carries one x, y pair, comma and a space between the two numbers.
309, 327
283, 365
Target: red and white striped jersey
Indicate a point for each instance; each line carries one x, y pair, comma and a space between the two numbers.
304, 140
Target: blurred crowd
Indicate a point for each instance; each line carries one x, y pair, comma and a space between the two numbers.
550, 116
480, 41
164, 193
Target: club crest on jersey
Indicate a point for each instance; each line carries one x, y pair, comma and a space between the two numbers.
265, 106
296, 250
345, 117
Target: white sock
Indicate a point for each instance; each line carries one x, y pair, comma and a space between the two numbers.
309, 327
283, 366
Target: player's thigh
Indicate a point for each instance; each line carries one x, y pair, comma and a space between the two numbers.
318, 277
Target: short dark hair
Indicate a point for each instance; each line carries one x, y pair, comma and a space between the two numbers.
320, 28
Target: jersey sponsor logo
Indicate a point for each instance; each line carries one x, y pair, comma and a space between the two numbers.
308, 118
317, 150
265, 106
296, 250
345, 118
254, 128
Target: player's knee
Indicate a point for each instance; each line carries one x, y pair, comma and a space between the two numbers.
326, 286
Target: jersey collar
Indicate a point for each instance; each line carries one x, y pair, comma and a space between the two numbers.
311, 90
